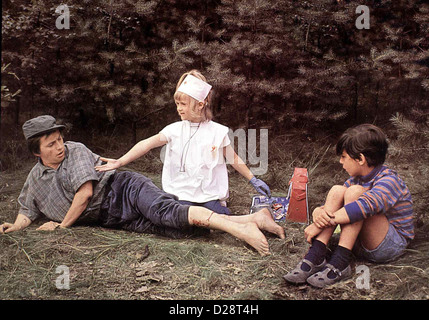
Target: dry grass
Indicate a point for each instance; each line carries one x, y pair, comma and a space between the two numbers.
115, 264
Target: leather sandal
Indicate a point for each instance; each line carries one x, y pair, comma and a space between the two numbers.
321, 280
299, 276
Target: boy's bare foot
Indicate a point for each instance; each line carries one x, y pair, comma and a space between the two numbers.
265, 221
251, 234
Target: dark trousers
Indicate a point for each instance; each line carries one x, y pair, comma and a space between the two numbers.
213, 205
132, 202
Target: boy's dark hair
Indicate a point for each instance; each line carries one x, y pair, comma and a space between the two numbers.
367, 139
33, 143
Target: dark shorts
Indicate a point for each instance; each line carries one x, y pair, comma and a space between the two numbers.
213, 205
132, 202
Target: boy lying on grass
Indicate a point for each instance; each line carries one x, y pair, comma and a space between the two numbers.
64, 187
373, 208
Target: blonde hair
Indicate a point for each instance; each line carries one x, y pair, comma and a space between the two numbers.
206, 112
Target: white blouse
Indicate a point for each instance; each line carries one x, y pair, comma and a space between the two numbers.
194, 165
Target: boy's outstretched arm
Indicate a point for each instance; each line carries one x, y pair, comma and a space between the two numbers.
139, 150
80, 201
20, 223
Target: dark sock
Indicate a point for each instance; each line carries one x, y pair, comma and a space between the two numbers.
340, 259
315, 254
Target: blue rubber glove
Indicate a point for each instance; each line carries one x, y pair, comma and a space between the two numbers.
261, 187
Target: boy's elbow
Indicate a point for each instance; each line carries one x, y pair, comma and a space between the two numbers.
88, 195
86, 191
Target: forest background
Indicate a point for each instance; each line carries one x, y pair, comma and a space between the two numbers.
301, 69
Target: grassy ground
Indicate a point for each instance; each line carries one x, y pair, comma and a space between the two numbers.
115, 264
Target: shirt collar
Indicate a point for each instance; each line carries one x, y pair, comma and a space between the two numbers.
41, 168
372, 174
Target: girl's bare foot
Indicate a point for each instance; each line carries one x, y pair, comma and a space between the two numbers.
265, 221
244, 229
251, 234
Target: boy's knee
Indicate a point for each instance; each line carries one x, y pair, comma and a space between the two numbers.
335, 197
338, 190
353, 193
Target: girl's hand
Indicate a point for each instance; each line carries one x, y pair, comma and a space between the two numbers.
111, 164
261, 187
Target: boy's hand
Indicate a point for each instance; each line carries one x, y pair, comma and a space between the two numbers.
20, 223
48, 226
8, 227
322, 219
311, 231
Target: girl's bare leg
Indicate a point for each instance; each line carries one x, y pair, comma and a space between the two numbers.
263, 219
248, 231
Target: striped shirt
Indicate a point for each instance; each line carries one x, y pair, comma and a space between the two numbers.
388, 195
48, 192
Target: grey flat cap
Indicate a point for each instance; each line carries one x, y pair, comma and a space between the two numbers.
40, 125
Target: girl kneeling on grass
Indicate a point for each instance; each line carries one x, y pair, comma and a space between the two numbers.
373, 207
194, 167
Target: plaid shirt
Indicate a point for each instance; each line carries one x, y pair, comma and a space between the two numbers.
48, 192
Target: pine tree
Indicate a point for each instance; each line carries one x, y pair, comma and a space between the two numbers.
275, 64
411, 147
246, 61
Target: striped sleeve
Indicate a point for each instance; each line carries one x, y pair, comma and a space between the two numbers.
386, 192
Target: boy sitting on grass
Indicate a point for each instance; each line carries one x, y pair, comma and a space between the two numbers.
373, 208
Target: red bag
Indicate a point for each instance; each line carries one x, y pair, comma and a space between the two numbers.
298, 202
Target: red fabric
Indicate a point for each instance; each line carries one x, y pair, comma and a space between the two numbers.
298, 211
